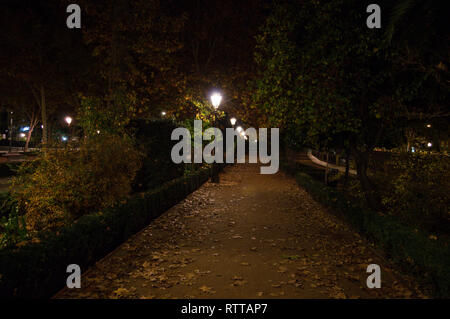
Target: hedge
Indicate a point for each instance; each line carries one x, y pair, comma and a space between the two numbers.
9, 169
38, 269
152, 136
426, 258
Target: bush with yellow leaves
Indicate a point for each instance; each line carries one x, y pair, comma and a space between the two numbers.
62, 185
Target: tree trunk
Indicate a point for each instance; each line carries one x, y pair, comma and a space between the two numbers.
44, 117
27, 141
33, 124
362, 161
347, 167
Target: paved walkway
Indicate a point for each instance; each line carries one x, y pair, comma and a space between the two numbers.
251, 236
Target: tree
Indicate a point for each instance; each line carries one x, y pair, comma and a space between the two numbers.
330, 81
25, 107
217, 54
40, 53
134, 45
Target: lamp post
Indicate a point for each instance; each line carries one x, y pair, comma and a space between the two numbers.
68, 120
233, 121
216, 98
11, 133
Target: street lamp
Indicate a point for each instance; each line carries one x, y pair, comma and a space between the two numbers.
163, 113
239, 129
216, 98
68, 120
233, 121
429, 144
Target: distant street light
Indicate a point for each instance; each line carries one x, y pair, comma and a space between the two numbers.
428, 125
239, 129
68, 120
233, 121
429, 144
163, 113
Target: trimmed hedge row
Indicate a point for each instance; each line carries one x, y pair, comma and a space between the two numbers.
427, 258
38, 269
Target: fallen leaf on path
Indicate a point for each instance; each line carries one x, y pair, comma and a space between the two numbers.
291, 257
239, 283
276, 285
120, 292
282, 269
207, 290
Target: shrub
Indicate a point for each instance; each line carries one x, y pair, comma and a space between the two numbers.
12, 228
7, 204
38, 269
8, 169
428, 259
153, 137
12, 223
62, 185
417, 191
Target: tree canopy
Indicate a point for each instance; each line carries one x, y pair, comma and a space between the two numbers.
329, 81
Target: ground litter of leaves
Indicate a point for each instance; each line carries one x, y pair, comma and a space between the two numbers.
251, 236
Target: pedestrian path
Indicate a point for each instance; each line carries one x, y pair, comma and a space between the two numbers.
251, 236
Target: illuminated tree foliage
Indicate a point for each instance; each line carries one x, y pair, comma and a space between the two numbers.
61, 185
